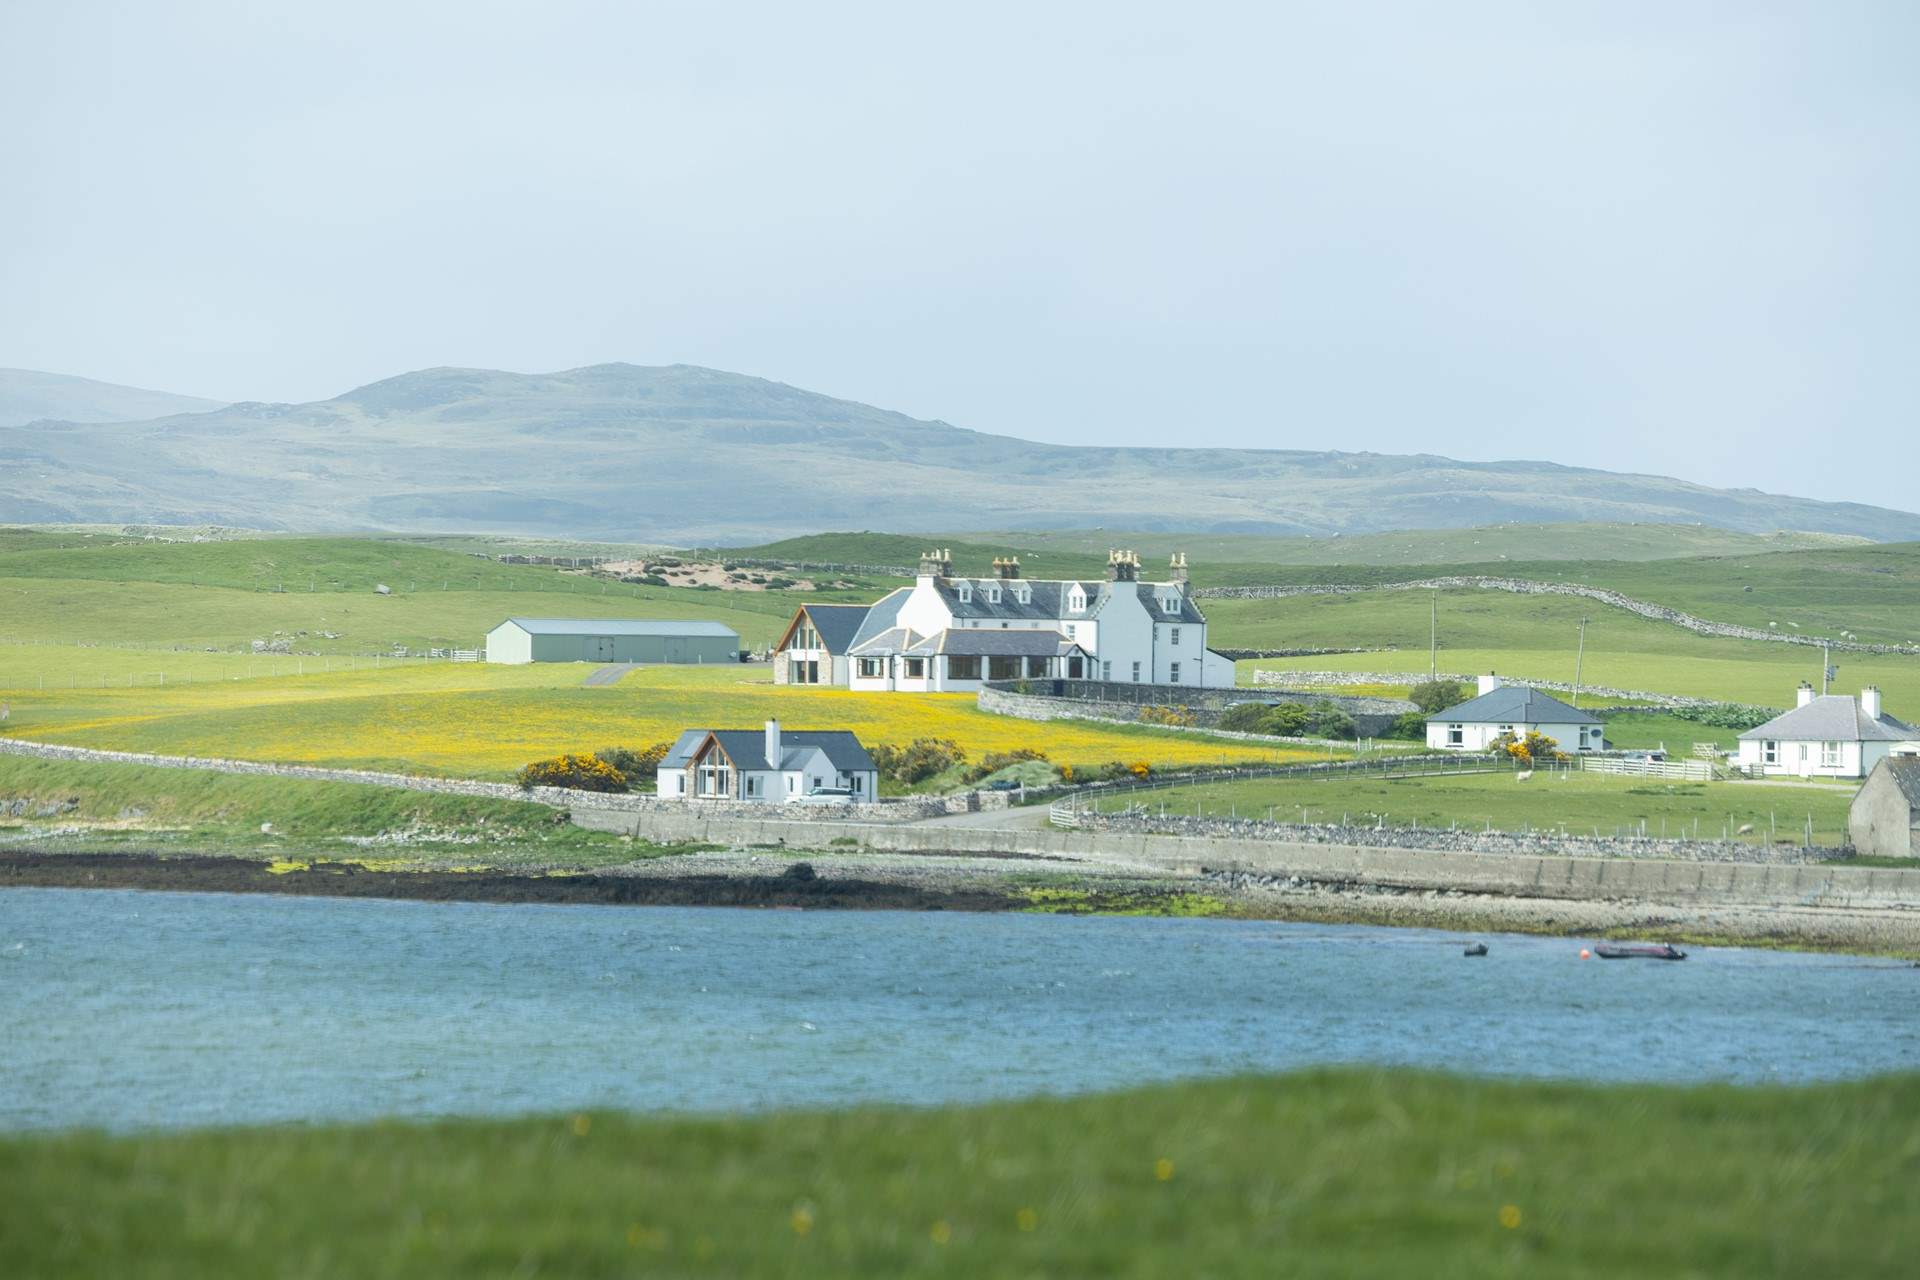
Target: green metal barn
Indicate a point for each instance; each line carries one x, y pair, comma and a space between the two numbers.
611, 640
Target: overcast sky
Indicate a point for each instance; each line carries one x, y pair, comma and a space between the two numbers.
1669, 237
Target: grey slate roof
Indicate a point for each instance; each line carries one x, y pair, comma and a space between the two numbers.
1047, 599
620, 627
1834, 717
747, 748
681, 752
881, 615
884, 644
1514, 704
837, 623
1030, 642
1905, 772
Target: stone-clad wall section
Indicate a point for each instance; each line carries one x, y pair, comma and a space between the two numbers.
1095, 700
1524, 586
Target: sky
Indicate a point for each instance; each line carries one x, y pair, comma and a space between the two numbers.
1674, 238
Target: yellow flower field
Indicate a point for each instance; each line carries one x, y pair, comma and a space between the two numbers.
475, 720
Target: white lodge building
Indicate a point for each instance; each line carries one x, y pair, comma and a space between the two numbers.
1827, 736
948, 634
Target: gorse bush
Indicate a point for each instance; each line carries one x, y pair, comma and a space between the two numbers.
637, 767
575, 772
1525, 751
918, 760
1176, 717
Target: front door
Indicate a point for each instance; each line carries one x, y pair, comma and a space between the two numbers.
602, 648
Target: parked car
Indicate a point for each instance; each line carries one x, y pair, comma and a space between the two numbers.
828, 795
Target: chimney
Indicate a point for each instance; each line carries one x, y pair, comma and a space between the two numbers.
773, 744
1008, 569
1123, 566
1489, 682
936, 564
1177, 569
1805, 695
1870, 702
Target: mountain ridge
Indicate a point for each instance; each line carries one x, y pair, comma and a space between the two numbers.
690, 453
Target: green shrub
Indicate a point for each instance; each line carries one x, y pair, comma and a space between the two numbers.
994, 761
636, 767
1325, 720
1433, 696
1411, 726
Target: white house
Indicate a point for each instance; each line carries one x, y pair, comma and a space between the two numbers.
1827, 736
1504, 708
951, 634
770, 767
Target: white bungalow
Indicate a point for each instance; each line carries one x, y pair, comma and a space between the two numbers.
946, 633
1827, 736
1515, 709
770, 767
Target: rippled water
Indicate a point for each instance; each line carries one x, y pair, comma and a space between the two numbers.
126, 1010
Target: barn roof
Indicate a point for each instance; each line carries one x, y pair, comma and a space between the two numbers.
621, 627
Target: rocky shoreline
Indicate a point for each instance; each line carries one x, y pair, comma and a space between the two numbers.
858, 880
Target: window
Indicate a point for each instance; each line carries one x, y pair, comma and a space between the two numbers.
871, 668
715, 780
1769, 753
1076, 601
1829, 755
1456, 735
993, 595
966, 593
1173, 673
753, 785
916, 668
793, 785
963, 667
1023, 593
1106, 671
1173, 636
1136, 673
1070, 630
1003, 668
1003, 626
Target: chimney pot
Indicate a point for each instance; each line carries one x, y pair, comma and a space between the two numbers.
1805, 694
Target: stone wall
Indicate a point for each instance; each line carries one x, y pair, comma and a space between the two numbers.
1524, 586
1120, 703
908, 809
1306, 681
1455, 840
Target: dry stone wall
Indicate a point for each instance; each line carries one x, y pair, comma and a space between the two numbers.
1097, 700
1302, 681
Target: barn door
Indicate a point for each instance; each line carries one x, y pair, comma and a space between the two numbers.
602, 648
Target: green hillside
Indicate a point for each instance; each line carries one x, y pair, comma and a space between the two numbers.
1327, 1173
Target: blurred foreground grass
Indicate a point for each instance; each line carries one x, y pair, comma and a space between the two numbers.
1340, 1172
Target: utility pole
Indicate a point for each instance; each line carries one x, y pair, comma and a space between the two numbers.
1433, 644
1826, 665
1579, 657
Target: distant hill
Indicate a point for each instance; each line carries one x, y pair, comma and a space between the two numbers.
27, 396
681, 453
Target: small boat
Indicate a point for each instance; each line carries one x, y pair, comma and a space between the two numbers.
1638, 951
1477, 949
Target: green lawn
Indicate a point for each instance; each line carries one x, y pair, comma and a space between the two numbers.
1578, 802
1344, 1173
126, 806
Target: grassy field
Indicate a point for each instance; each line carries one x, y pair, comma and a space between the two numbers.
1327, 1173
1580, 803
479, 720
145, 808
1536, 636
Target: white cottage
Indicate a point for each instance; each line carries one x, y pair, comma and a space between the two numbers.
1827, 736
1503, 708
770, 767
951, 634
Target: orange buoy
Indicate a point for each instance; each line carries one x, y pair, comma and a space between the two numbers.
1585, 954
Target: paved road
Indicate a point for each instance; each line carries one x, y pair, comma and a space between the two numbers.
1032, 816
609, 674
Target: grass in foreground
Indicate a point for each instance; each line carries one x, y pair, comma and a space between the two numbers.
1335, 1172
1580, 802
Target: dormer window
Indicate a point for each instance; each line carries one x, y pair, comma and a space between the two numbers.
1076, 600
966, 593
1023, 593
993, 594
